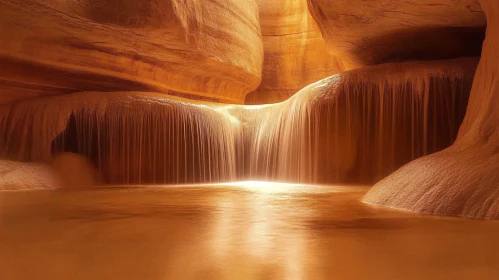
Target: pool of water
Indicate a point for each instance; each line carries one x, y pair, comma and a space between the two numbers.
234, 231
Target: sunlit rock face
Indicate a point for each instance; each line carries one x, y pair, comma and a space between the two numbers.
357, 126
295, 52
463, 179
201, 49
364, 32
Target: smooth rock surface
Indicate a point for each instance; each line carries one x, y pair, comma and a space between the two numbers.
462, 180
203, 49
295, 54
366, 32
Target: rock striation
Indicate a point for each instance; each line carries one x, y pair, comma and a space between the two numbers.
365, 32
202, 49
462, 180
295, 54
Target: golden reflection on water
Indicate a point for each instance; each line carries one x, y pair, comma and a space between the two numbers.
259, 239
283, 188
238, 231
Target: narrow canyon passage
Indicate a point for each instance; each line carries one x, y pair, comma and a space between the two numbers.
249, 139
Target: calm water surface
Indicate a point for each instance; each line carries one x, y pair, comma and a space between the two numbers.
247, 231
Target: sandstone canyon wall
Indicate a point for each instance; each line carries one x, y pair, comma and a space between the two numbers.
365, 32
463, 179
295, 54
200, 49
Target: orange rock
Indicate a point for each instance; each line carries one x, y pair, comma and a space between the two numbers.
295, 52
21, 175
463, 179
211, 49
366, 32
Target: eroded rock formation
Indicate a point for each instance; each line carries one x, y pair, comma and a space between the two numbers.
364, 32
295, 52
463, 179
202, 49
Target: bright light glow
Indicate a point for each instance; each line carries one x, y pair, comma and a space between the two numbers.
279, 187
264, 186
259, 184
267, 187
256, 107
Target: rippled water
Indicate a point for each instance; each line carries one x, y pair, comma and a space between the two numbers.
244, 231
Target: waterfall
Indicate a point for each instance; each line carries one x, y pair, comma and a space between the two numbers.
357, 126
131, 137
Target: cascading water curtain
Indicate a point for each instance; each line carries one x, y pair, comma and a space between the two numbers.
358, 127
